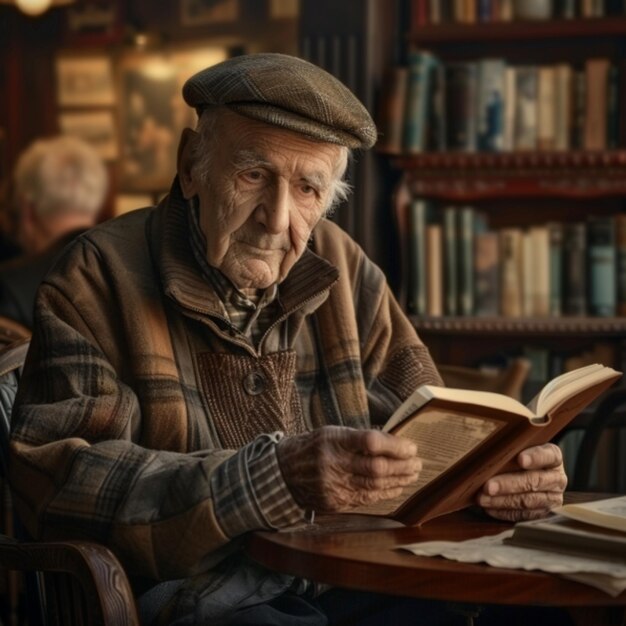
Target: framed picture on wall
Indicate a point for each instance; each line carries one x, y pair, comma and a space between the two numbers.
153, 113
95, 127
84, 81
201, 12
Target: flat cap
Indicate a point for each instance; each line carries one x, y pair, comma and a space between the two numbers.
285, 91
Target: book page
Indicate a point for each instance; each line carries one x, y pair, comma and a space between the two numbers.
608, 513
567, 385
443, 438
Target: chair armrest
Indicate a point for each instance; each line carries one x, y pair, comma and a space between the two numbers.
92, 568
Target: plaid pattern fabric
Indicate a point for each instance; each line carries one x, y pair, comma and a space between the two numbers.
118, 436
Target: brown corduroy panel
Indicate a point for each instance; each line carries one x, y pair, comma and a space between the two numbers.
262, 392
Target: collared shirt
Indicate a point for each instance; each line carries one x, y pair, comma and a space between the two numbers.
249, 311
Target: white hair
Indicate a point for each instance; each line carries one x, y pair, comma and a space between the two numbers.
202, 156
61, 175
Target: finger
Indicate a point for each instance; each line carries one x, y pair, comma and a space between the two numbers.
373, 483
521, 482
382, 466
545, 456
377, 443
517, 515
542, 500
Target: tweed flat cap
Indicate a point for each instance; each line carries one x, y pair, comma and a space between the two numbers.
285, 91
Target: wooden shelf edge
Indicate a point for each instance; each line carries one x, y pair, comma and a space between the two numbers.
579, 160
433, 34
553, 326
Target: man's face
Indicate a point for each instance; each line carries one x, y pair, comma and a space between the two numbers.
266, 190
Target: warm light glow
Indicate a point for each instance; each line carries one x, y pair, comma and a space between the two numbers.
33, 7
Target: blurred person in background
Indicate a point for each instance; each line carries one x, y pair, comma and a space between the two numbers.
59, 186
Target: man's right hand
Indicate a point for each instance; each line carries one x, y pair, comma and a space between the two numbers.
335, 469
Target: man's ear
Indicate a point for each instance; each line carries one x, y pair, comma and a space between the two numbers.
185, 162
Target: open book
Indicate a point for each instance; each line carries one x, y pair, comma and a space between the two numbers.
465, 437
596, 529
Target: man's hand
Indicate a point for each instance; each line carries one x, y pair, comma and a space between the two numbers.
335, 469
531, 492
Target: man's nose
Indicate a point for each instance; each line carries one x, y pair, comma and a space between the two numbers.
274, 211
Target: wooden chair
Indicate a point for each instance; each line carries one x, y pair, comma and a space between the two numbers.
609, 416
67, 582
508, 380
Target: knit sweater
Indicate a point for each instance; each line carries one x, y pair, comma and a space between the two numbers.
147, 422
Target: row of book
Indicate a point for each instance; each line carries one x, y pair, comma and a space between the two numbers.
492, 106
457, 265
427, 12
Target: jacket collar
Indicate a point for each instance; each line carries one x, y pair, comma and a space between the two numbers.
183, 281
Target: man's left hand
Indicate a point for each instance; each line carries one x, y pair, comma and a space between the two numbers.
532, 491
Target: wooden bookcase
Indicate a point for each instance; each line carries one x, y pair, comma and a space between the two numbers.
517, 188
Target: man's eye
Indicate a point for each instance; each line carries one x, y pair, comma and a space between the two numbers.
308, 190
253, 175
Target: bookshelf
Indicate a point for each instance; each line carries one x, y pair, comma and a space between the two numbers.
512, 187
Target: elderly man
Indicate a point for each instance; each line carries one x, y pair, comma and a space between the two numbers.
215, 365
59, 187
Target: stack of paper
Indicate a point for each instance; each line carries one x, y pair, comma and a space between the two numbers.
591, 549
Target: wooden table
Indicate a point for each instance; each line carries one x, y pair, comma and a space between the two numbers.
360, 553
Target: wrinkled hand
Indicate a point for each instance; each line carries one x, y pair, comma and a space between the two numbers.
335, 469
529, 493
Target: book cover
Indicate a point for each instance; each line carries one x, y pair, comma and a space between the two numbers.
526, 87
575, 268
602, 266
596, 529
490, 104
460, 106
466, 436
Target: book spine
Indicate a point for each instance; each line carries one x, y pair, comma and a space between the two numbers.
490, 107
602, 297
486, 272
579, 115
555, 236
416, 292
510, 272
612, 121
596, 72
434, 270
620, 246
415, 112
574, 268
563, 106
460, 103
392, 109
526, 108
546, 108
466, 260
451, 268
540, 264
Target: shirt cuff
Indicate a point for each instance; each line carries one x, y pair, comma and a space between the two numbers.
249, 492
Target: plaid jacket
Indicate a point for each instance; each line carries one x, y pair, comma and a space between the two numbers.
141, 415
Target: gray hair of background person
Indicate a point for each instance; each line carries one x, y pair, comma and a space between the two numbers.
60, 175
